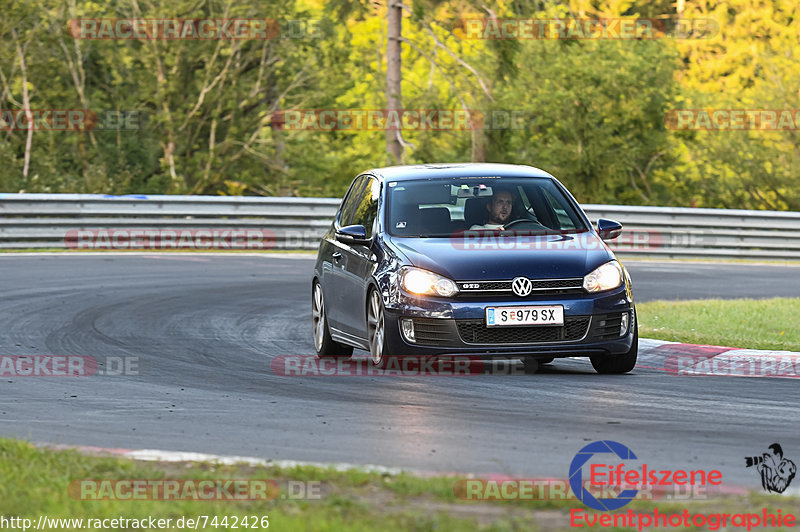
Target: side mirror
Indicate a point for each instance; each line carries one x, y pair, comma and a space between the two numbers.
608, 229
353, 234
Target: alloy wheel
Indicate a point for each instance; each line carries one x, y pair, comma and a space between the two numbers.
375, 323
318, 317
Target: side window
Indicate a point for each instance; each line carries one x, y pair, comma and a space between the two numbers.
564, 219
526, 204
350, 201
367, 208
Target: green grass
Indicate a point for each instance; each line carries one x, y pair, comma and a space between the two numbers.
743, 323
35, 481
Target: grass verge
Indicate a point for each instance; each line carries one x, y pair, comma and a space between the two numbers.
742, 323
37, 482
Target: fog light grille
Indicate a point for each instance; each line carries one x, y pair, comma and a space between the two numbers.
476, 332
433, 331
608, 326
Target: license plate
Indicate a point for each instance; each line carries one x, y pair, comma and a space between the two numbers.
539, 315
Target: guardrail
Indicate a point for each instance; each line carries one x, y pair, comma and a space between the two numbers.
37, 221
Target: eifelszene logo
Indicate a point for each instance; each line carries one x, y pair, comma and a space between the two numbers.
576, 475
626, 482
776, 471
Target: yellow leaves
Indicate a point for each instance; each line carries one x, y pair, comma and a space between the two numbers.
17, 86
234, 188
750, 33
312, 5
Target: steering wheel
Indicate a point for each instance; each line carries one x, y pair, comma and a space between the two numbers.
518, 221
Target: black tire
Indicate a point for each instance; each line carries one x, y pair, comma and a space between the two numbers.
545, 360
376, 330
618, 364
530, 365
325, 346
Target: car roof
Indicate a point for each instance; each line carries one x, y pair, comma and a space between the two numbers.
451, 170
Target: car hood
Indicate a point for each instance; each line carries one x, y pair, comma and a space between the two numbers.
493, 257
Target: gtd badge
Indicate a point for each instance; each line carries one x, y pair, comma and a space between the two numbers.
576, 475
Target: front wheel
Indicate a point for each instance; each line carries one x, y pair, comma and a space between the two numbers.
530, 365
323, 343
618, 364
376, 330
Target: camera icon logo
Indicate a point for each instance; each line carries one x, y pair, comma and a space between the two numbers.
776, 471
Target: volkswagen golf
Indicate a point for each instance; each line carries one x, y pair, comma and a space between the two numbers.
488, 260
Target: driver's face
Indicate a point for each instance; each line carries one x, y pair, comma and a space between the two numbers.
500, 208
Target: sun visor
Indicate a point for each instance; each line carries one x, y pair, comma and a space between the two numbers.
427, 193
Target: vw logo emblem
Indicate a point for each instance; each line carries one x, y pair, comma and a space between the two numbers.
521, 286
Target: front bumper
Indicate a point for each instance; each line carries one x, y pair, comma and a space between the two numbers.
456, 326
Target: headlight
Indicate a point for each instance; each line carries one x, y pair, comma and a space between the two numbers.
606, 277
423, 282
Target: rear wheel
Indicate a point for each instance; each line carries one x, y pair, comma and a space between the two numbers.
376, 330
323, 343
618, 364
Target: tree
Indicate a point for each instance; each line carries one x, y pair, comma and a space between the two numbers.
394, 76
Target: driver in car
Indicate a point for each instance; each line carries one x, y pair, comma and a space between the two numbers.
499, 211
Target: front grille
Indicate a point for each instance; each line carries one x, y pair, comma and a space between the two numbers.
606, 326
476, 332
433, 331
540, 287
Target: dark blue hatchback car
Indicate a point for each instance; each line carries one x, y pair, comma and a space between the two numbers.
491, 260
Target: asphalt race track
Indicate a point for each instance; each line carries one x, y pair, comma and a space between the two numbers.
203, 330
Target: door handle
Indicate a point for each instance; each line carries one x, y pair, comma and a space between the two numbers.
337, 256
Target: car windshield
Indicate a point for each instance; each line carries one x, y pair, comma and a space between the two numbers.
448, 207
